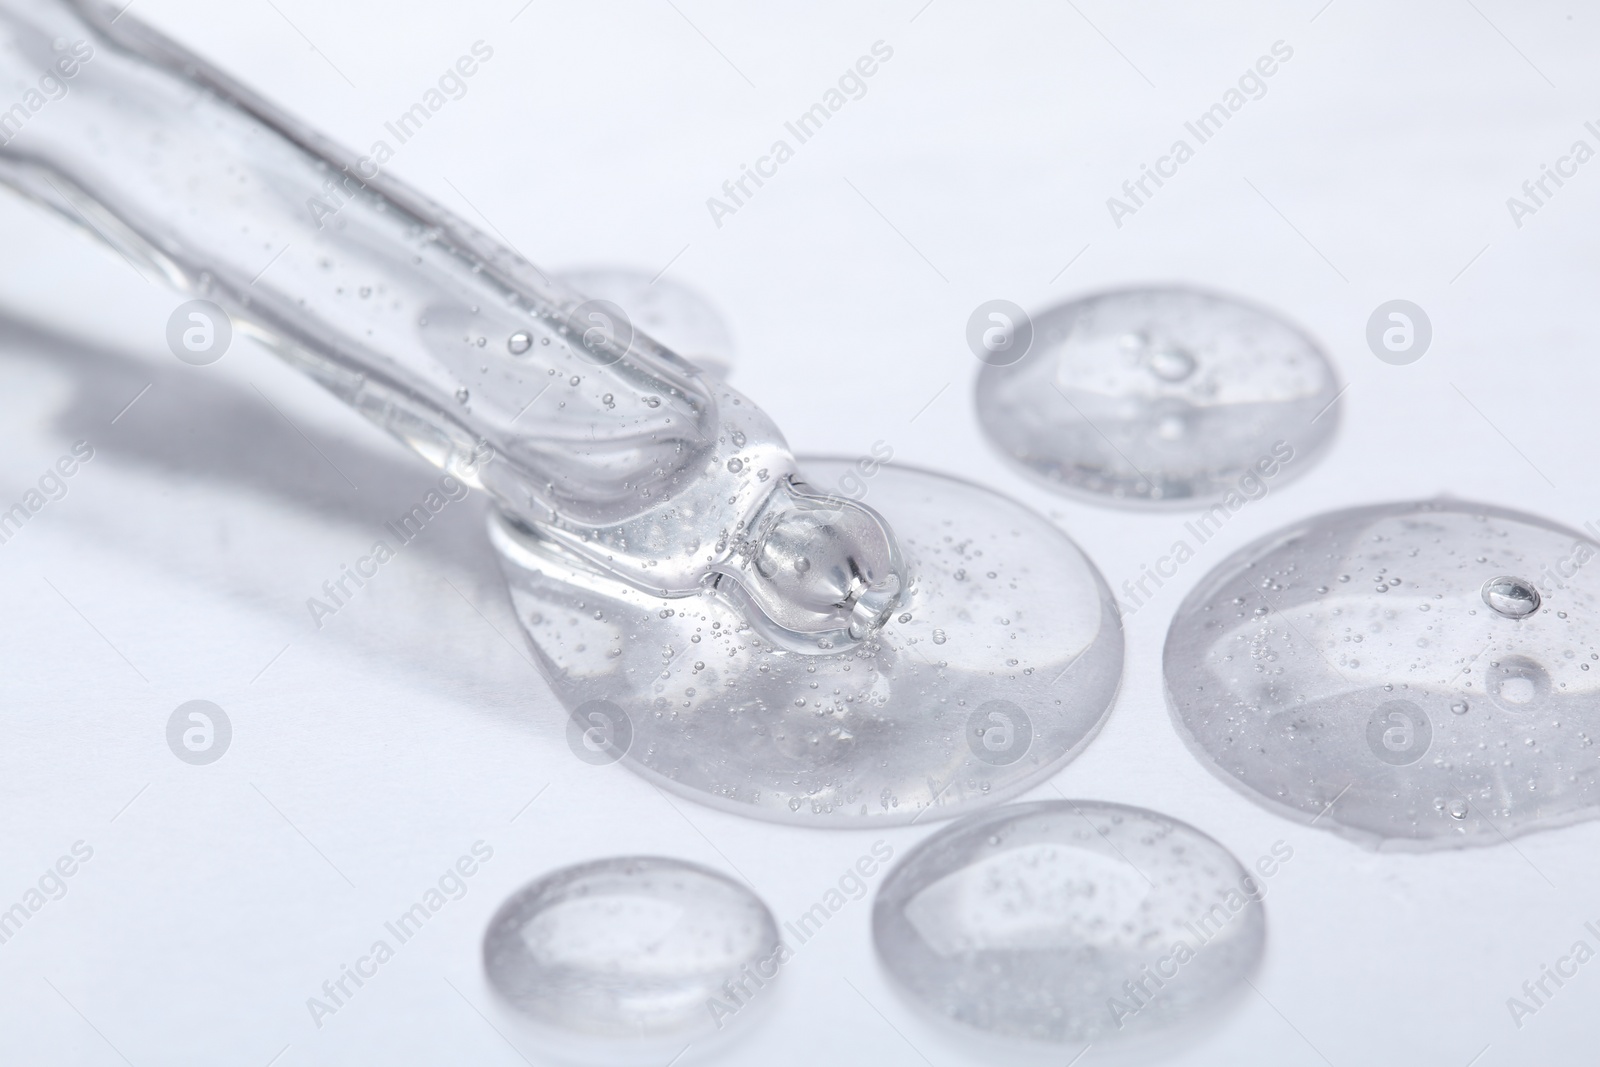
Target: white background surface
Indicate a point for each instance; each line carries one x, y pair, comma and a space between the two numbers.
370, 755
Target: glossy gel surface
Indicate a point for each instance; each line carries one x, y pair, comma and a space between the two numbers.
1159, 396
997, 667
628, 948
1414, 675
1031, 921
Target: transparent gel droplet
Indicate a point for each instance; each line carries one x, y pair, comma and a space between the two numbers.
904, 726
1169, 363
672, 313
1366, 669
1038, 922
1161, 396
519, 342
630, 951
1511, 597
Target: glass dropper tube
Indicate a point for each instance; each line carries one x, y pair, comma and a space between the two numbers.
766, 647
596, 440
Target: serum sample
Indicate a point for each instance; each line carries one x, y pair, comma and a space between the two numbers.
1414, 675
630, 950
997, 666
1069, 921
1158, 397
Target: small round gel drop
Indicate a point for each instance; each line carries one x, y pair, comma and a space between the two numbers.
631, 950
1032, 921
1161, 396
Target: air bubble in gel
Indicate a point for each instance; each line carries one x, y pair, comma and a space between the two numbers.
1069, 921
1414, 675
1160, 396
631, 950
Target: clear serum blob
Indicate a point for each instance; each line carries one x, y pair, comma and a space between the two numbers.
1412, 675
1161, 396
624, 957
1001, 611
1072, 921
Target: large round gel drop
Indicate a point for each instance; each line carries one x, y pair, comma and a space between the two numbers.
1412, 675
1161, 396
1069, 921
634, 950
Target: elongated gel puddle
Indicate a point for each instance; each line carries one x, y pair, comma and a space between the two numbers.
1414, 675
1160, 397
997, 667
617, 960
1068, 921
